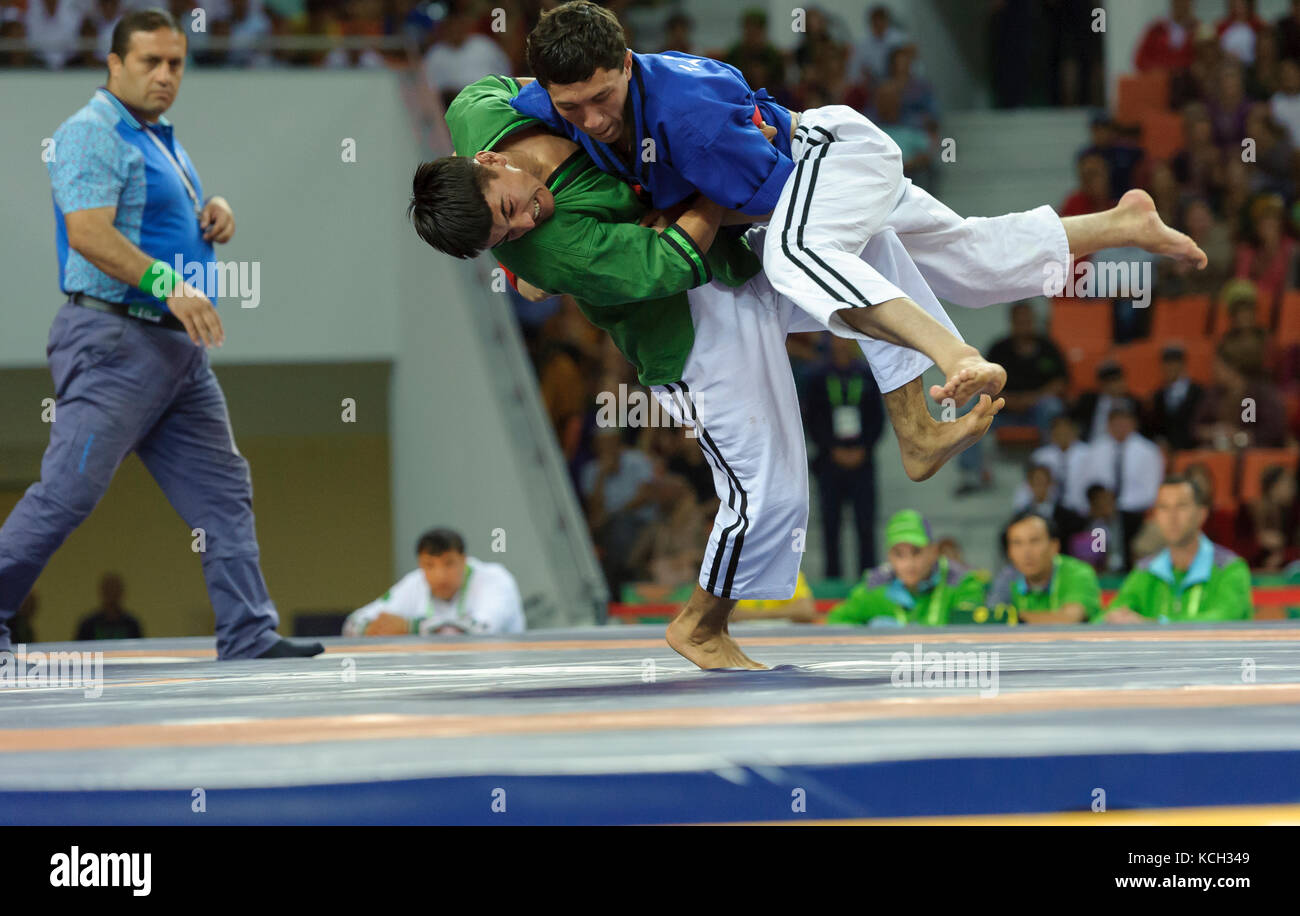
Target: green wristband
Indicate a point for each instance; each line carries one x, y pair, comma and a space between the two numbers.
160, 281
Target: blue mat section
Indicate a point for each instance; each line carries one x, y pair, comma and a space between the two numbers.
985, 785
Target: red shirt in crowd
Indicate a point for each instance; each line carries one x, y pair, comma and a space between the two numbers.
1167, 46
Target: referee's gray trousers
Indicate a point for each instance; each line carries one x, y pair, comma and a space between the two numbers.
123, 385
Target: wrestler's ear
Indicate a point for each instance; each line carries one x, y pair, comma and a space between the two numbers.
489, 158
627, 63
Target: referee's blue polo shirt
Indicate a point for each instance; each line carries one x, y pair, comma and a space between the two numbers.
102, 157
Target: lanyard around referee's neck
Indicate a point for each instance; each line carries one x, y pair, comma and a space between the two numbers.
180, 170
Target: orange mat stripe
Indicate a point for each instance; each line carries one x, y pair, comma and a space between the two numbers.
914, 704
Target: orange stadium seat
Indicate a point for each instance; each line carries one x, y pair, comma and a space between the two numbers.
1181, 318
1140, 93
1288, 323
1082, 321
1141, 362
1162, 134
1222, 466
1255, 461
1081, 361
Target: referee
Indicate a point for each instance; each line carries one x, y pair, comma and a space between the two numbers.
128, 349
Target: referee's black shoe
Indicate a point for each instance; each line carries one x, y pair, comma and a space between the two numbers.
285, 649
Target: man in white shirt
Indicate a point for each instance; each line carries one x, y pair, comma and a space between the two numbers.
1069, 460
461, 56
53, 29
450, 593
1129, 465
870, 61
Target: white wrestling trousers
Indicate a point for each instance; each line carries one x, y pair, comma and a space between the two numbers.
737, 392
847, 186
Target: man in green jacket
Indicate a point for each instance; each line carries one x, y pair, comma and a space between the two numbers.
915, 585
1192, 578
1043, 586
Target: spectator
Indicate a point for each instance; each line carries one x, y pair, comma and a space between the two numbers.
1178, 278
1285, 103
1240, 412
799, 609
1264, 75
1094, 193
1238, 30
679, 450
920, 107
618, 489
844, 418
1049, 587
1224, 525
1191, 579
667, 551
914, 143
449, 594
677, 35
53, 28
1036, 372
249, 25
1228, 108
1100, 543
1119, 147
110, 620
1274, 156
870, 62
1175, 403
1168, 44
1040, 493
461, 55
754, 56
1245, 345
915, 586
21, 629
1196, 166
817, 39
1068, 459
1273, 521
1129, 465
1197, 83
1267, 256
1092, 408
1288, 33
103, 19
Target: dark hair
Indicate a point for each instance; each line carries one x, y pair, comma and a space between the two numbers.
438, 541
150, 20
1037, 466
1022, 515
449, 208
573, 41
1198, 492
1095, 489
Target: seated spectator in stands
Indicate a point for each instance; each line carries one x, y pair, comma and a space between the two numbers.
1128, 464
1285, 103
461, 55
1265, 75
1193, 578
799, 609
450, 594
1092, 409
1169, 418
248, 26
21, 629
1036, 372
817, 39
1267, 256
1048, 587
1228, 108
1288, 33
1239, 411
758, 60
1067, 457
1239, 29
680, 452
1120, 146
1167, 44
1274, 155
1094, 193
844, 417
1197, 83
677, 33
53, 28
1040, 493
1196, 166
824, 81
617, 487
1225, 525
920, 106
1100, 543
870, 62
110, 620
667, 551
1273, 521
1245, 345
103, 19
1196, 218
915, 586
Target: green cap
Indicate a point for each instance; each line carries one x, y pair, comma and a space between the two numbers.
907, 527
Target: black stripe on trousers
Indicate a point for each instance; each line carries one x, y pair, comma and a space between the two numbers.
812, 182
736, 488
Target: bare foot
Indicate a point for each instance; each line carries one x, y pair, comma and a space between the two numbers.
924, 456
970, 375
1148, 231
707, 648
